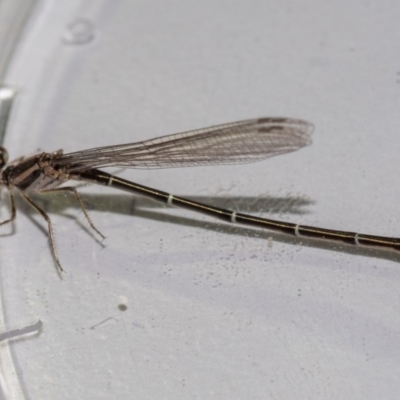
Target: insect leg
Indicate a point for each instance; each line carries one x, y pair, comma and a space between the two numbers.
80, 202
12, 208
50, 228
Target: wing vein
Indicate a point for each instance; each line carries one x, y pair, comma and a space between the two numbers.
233, 143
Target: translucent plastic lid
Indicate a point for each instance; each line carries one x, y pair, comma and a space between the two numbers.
172, 304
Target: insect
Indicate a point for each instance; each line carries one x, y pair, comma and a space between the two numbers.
232, 143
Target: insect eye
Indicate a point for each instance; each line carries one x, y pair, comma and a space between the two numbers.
3, 157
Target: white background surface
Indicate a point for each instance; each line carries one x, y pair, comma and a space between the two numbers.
213, 310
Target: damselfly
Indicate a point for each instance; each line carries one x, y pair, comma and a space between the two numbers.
233, 143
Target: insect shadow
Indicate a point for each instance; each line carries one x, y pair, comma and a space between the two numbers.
142, 207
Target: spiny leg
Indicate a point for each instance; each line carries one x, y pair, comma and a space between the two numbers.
12, 208
80, 202
50, 227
